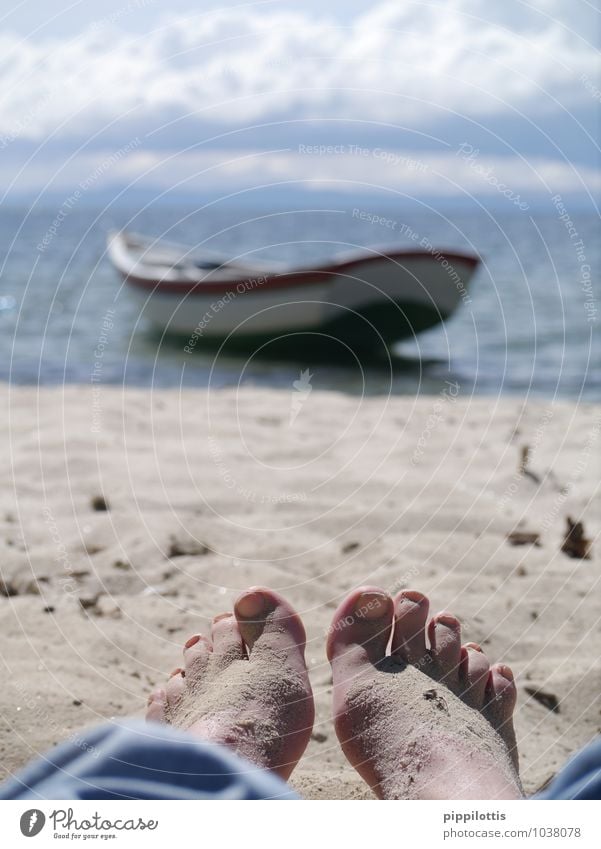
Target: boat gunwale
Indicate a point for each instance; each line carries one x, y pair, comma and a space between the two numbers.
256, 282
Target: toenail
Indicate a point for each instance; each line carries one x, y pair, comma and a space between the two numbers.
405, 606
371, 605
447, 620
158, 696
413, 597
192, 641
178, 671
250, 605
221, 616
505, 671
474, 647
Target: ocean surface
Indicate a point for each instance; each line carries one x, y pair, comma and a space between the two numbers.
528, 330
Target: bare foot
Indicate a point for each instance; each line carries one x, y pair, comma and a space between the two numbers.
418, 722
248, 686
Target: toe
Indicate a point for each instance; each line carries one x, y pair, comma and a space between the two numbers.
175, 688
361, 627
409, 636
500, 695
197, 652
445, 646
275, 640
155, 711
227, 641
473, 675
269, 625
499, 703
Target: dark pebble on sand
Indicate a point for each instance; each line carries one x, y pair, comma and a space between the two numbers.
88, 601
93, 548
7, 588
319, 737
186, 548
99, 503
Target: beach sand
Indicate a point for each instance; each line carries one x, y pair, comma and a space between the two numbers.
310, 493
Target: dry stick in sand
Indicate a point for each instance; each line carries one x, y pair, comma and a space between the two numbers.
524, 538
523, 466
548, 700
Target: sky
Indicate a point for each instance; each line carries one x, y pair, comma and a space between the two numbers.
453, 99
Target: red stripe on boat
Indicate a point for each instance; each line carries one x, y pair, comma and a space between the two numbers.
261, 282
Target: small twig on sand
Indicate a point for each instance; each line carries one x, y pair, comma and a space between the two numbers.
524, 538
549, 700
523, 465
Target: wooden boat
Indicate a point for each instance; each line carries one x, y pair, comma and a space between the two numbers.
364, 299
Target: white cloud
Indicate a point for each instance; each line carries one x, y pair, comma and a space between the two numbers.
392, 174
401, 61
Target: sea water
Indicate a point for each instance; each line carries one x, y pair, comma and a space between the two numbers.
528, 328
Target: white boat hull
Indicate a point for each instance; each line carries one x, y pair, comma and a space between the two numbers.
381, 294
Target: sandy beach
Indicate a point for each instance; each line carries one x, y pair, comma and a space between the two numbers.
129, 518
